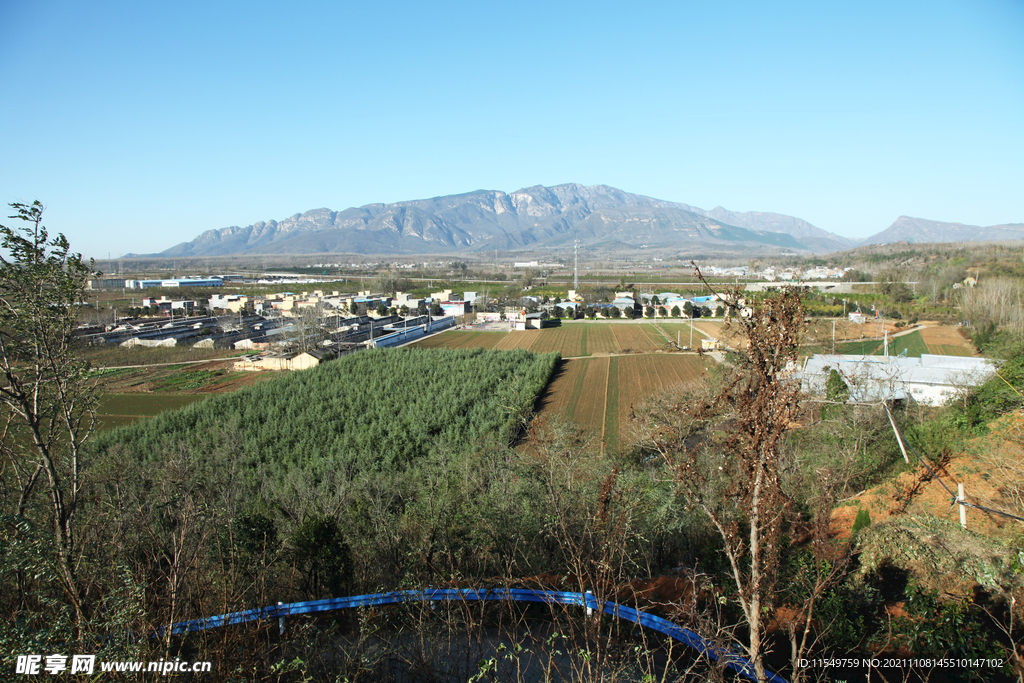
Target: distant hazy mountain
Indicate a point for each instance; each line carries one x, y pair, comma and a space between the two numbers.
919, 230
533, 217
814, 238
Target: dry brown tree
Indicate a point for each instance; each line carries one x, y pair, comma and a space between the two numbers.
724, 447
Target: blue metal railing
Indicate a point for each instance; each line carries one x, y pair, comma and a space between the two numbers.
684, 635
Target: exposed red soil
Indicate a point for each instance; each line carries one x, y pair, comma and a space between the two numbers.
918, 492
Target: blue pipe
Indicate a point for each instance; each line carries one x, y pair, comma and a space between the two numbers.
684, 635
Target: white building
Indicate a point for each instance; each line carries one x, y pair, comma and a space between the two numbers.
931, 379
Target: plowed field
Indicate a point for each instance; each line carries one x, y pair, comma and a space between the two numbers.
635, 337
559, 393
600, 338
598, 393
459, 339
568, 339
522, 339
946, 341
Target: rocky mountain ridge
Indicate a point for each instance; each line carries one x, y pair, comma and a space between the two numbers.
539, 217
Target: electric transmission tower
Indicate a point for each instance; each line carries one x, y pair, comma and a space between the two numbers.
576, 265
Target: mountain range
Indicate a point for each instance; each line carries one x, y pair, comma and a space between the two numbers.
538, 217
920, 231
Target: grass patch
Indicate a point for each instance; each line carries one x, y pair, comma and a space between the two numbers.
912, 343
115, 373
866, 347
142, 405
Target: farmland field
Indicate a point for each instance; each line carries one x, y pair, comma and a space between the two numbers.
716, 329
865, 347
940, 341
946, 341
587, 403
611, 407
946, 350
568, 339
681, 332
458, 339
573, 340
557, 398
120, 409
600, 338
912, 343
635, 337
598, 393
517, 340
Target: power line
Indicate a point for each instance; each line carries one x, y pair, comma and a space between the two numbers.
954, 498
899, 434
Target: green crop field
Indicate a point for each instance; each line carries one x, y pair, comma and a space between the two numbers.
913, 343
864, 347
381, 408
949, 350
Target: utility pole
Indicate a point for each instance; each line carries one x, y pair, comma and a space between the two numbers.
576, 266
961, 499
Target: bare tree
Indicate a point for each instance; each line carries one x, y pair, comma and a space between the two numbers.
725, 450
999, 301
310, 326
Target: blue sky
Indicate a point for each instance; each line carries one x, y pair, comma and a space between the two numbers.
140, 125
